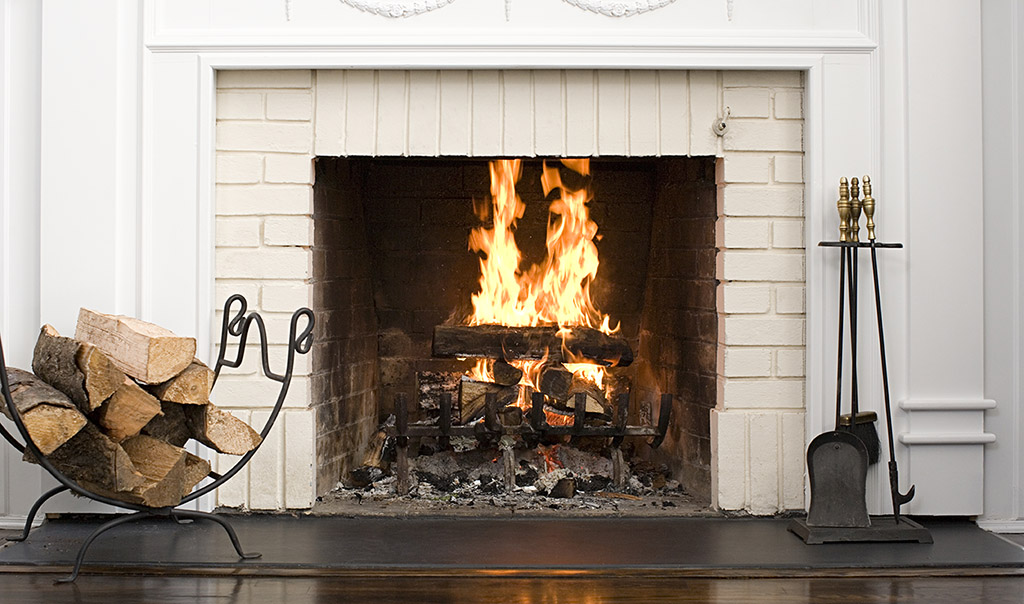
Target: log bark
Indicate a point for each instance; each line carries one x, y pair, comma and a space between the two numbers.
170, 426
506, 374
555, 381
127, 411
53, 360
49, 416
190, 387
511, 343
147, 352
95, 461
473, 397
220, 430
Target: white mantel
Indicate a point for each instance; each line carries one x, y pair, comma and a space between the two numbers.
108, 122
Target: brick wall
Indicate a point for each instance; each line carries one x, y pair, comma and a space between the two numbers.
271, 123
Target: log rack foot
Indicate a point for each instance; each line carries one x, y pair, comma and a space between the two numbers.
35, 509
106, 526
192, 514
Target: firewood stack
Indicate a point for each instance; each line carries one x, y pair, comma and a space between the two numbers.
112, 408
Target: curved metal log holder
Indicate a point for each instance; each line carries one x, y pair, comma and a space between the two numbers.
491, 430
237, 325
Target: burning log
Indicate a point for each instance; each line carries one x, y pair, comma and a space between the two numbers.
506, 374
596, 402
513, 343
49, 416
473, 397
555, 381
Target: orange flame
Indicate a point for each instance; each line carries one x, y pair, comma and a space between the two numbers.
554, 292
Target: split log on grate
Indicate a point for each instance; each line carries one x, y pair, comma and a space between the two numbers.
78, 369
511, 343
506, 374
147, 352
190, 387
555, 381
127, 411
473, 397
596, 401
220, 430
49, 416
95, 461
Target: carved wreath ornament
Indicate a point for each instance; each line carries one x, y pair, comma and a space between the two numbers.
407, 8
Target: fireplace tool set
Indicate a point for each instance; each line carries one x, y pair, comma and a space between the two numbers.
236, 324
837, 461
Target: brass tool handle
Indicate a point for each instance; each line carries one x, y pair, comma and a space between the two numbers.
854, 209
844, 209
869, 208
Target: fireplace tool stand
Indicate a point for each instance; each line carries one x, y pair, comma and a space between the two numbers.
837, 461
236, 324
491, 429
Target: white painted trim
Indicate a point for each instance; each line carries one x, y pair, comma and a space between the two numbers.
17, 523
947, 405
947, 438
1003, 526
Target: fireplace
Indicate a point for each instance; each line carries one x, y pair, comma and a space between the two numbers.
701, 235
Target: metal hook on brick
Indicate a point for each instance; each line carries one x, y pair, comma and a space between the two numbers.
721, 126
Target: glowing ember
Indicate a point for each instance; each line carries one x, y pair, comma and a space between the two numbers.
550, 455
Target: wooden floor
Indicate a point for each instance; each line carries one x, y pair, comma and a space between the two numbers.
37, 588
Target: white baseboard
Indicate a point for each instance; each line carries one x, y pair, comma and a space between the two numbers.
16, 523
1002, 526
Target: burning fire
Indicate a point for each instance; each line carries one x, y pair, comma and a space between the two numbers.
554, 292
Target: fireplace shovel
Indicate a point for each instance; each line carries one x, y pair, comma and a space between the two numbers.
837, 461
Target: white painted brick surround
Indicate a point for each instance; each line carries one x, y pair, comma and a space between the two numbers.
270, 125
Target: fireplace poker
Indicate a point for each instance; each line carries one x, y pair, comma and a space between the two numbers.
898, 499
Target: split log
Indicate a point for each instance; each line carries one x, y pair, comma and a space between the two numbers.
147, 352
49, 416
220, 430
196, 469
506, 374
190, 387
127, 411
555, 381
162, 464
170, 426
374, 457
102, 378
511, 343
596, 402
473, 397
53, 360
95, 461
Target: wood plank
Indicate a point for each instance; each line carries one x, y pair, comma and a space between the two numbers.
497, 341
517, 113
581, 114
643, 113
674, 112
611, 112
330, 113
147, 352
548, 113
704, 110
391, 113
360, 109
455, 114
486, 107
423, 114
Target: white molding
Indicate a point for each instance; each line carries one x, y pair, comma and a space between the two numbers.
947, 438
620, 8
397, 9
1003, 526
947, 404
17, 523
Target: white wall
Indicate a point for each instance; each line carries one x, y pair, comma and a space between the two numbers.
1003, 28
879, 92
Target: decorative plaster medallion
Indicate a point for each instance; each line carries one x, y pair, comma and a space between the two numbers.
397, 8
619, 8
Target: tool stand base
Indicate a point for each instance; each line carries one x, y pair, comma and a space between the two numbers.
882, 529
